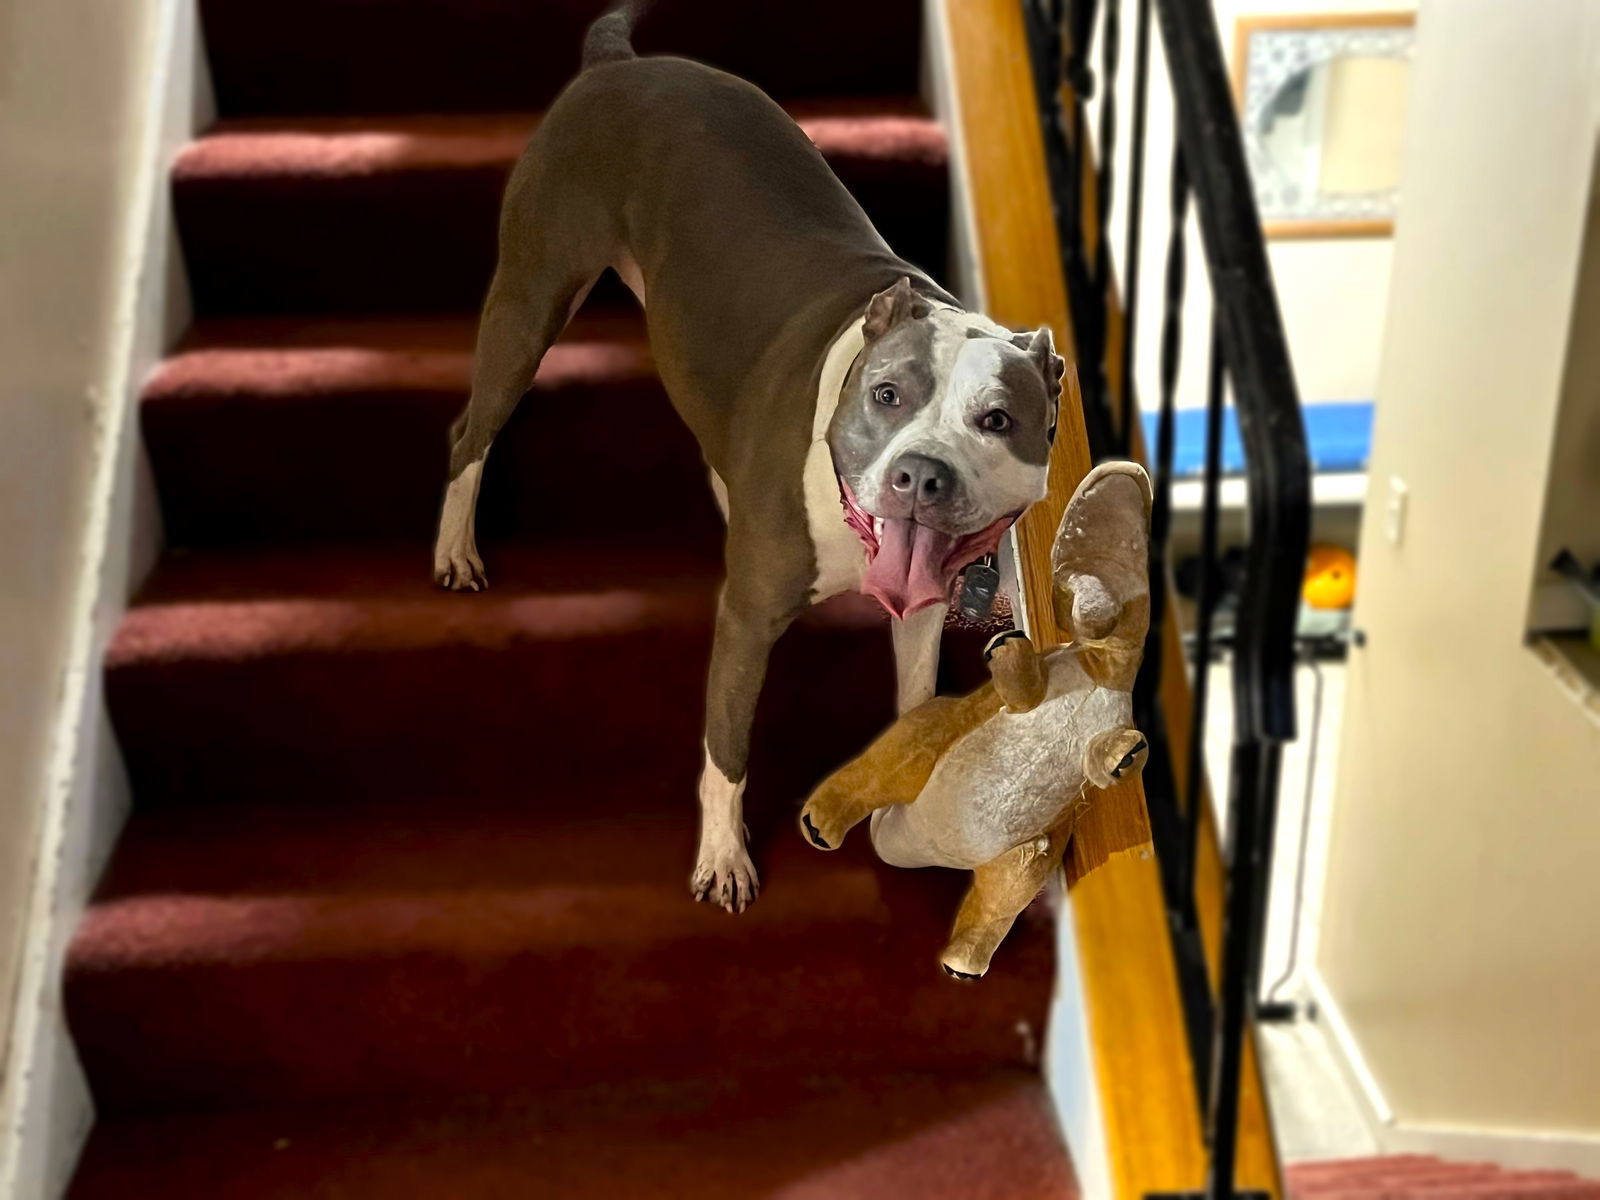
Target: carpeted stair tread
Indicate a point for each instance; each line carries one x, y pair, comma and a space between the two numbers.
1424, 1177
989, 1137
399, 213
1492, 1185
872, 128
435, 946
287, 429
1313, 1171
250, 603
343, 56
305, 673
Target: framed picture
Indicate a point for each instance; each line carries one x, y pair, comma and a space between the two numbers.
1322, 105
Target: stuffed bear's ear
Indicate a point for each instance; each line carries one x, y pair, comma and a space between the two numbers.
1099, 566
892, 306
1041, 347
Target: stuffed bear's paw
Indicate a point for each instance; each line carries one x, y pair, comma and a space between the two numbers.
963, 962
811, 832
1132, 762
1115, 755
966, 956
823, 825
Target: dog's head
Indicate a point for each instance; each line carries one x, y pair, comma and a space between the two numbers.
941, 439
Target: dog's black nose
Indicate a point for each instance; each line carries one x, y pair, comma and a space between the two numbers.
921, 481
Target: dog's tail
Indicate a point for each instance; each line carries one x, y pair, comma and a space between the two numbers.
610, 38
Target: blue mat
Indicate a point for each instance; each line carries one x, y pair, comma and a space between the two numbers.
1339, 434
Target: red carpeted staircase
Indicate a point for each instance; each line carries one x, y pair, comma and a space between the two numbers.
1423, 1177
402, 909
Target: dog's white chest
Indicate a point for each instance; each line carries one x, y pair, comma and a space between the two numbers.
841, 559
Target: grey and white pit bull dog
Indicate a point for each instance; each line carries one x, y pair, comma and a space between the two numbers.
863, 431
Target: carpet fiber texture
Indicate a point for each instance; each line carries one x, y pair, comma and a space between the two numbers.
1423, 1177
402, 907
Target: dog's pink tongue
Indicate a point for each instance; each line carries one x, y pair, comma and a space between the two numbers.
909, 570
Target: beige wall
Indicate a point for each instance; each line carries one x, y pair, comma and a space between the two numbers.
1461, 943
1365, 118
64, 133
94, 96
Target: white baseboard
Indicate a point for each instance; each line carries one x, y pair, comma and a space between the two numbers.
1347, 1053
1070, 1062
1519, 1148
1509, 1148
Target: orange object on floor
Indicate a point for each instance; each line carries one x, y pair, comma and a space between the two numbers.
1330, 577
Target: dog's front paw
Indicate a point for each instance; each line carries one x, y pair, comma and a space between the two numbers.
459, 569
724, 875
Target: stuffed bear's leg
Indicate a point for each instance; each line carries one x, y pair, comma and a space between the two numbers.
1000, 890
893, 770
1017, 669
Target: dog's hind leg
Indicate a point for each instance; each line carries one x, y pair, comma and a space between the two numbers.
525, 312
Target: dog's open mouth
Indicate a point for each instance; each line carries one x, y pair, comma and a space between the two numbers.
911, 565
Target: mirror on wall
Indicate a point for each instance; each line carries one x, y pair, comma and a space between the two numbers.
1322, 105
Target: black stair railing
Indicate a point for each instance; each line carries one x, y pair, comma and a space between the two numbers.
1247, 355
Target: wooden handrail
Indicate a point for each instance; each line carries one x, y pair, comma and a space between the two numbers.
1137, 1032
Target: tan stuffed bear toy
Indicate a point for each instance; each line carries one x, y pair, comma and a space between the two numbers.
993, 782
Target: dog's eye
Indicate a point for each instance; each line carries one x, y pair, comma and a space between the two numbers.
996, 420
884, 393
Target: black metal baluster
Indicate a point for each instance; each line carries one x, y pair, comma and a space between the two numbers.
1146, 707
1091, 265
1078, 20
1171, 354
1046, 19
1160, 779
1058, 37
1205, 614
1128, 410
1252, 803
1105, 189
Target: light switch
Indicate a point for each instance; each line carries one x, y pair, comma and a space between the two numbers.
1394, 511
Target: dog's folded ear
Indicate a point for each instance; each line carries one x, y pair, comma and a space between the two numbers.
1041, 347
892, 306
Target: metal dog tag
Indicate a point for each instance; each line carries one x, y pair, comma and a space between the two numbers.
979, 585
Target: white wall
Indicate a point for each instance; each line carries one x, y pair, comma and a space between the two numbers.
1332, 292
93, 97
1459, 947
